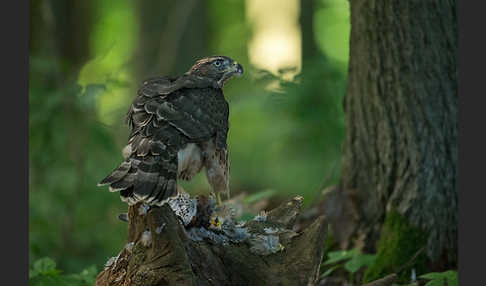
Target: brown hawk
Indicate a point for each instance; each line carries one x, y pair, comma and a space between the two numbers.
178, 125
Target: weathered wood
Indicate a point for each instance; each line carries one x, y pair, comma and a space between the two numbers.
169, 256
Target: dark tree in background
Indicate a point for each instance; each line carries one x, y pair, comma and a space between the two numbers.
61, 29
172, 36
51, 36
398, 186
400, 157
67, 144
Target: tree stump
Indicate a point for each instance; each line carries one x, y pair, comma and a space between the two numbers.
161, 251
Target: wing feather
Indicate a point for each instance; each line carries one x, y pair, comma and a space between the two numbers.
167, 114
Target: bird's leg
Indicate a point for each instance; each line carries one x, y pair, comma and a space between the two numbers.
217, 169
219, 202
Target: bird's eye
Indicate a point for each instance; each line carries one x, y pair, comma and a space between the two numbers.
217, 63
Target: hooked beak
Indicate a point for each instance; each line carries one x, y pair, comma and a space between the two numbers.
234, 69
237, 68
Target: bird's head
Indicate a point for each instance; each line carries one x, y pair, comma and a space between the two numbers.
217, 68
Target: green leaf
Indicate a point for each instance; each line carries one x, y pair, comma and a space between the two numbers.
44, 265
44, 272
435, 282
340, 255
359, 261
330, 270
87, 276
48, 280
33, 273
437, 278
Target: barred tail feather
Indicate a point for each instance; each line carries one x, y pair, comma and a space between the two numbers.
150, 179
117, 174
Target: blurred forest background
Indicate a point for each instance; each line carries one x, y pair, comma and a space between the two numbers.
87, 59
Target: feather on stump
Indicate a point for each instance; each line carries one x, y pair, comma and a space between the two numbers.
162, 250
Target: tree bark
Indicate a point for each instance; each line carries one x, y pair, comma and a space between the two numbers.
170, 32
401, 113
61, 29
171, 257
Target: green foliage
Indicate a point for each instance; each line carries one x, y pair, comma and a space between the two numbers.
44, 273
265, 194
341, 255
399, 242
113, 42
355, 260
332, 28
277, 137
43, 266
358, 261
282, 142
330, 270
69, 152
437, 279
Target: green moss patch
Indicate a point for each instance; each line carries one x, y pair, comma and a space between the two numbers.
399, 242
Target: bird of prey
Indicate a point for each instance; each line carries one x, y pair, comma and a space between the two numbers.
178, 125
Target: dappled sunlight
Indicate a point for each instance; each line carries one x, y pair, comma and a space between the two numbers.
283, 134
113, 42
296, 121
276, 41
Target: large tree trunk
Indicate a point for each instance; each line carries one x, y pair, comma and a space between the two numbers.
401, 145
160, 251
